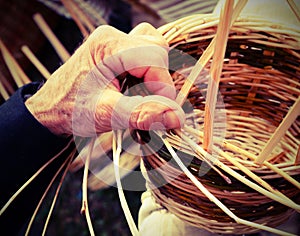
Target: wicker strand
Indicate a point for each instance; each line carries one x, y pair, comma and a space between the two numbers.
15, 69
3, 91
117, 149
272, 195
247, 154
203, 60
290, 117
71, 8
215, 73
84, 208
67, 163
57, 45
35, 61
32, 178
294, 8
297, 159
212, 198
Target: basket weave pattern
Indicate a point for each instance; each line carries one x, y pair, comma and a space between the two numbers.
260, 81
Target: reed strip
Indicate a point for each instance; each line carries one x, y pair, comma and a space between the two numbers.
204, 59
117, 149
8, 86
290, 117
68, 163
32, 178
15, 69
71, 9
258, 179
35, 61
294, 8
247, 154
85, 19
212, 198
57, 45
3, 91
215, 72
85, 208
297, 160
198, 150
45, 193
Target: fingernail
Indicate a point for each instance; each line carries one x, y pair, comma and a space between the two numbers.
173, 119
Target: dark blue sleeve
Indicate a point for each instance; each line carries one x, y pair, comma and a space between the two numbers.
25, 145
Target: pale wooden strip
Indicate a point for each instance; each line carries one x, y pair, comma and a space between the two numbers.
57, 45
8, 86
85, 18
203, 60
256, 178
3, 91
297, 160
117, 149
215, 72
67, 164
7, 204
212, 198
237, 149
67, 161
290, 117
35, 61
294, 8
15, 69
276, 197
84, 208
71, 9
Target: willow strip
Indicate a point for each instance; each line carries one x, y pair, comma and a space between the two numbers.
117, 149
71, 9
290, 117
3, 91
212, 198
57, 45
32, 178
69, 160
85, 207
215, 72
247, 154
203, 60
297, 160
294, 8
45, 193
35, 61
15, 69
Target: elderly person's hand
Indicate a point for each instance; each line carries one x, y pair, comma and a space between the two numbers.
83, 96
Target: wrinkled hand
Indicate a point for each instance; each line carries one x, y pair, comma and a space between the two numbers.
83, 96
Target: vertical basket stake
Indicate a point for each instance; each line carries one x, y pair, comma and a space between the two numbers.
285, 124
215, 73
205, 57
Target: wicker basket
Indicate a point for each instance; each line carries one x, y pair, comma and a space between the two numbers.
260, 82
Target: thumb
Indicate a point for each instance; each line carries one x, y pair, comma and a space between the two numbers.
146, 113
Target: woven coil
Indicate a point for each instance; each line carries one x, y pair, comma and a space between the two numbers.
260, 82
